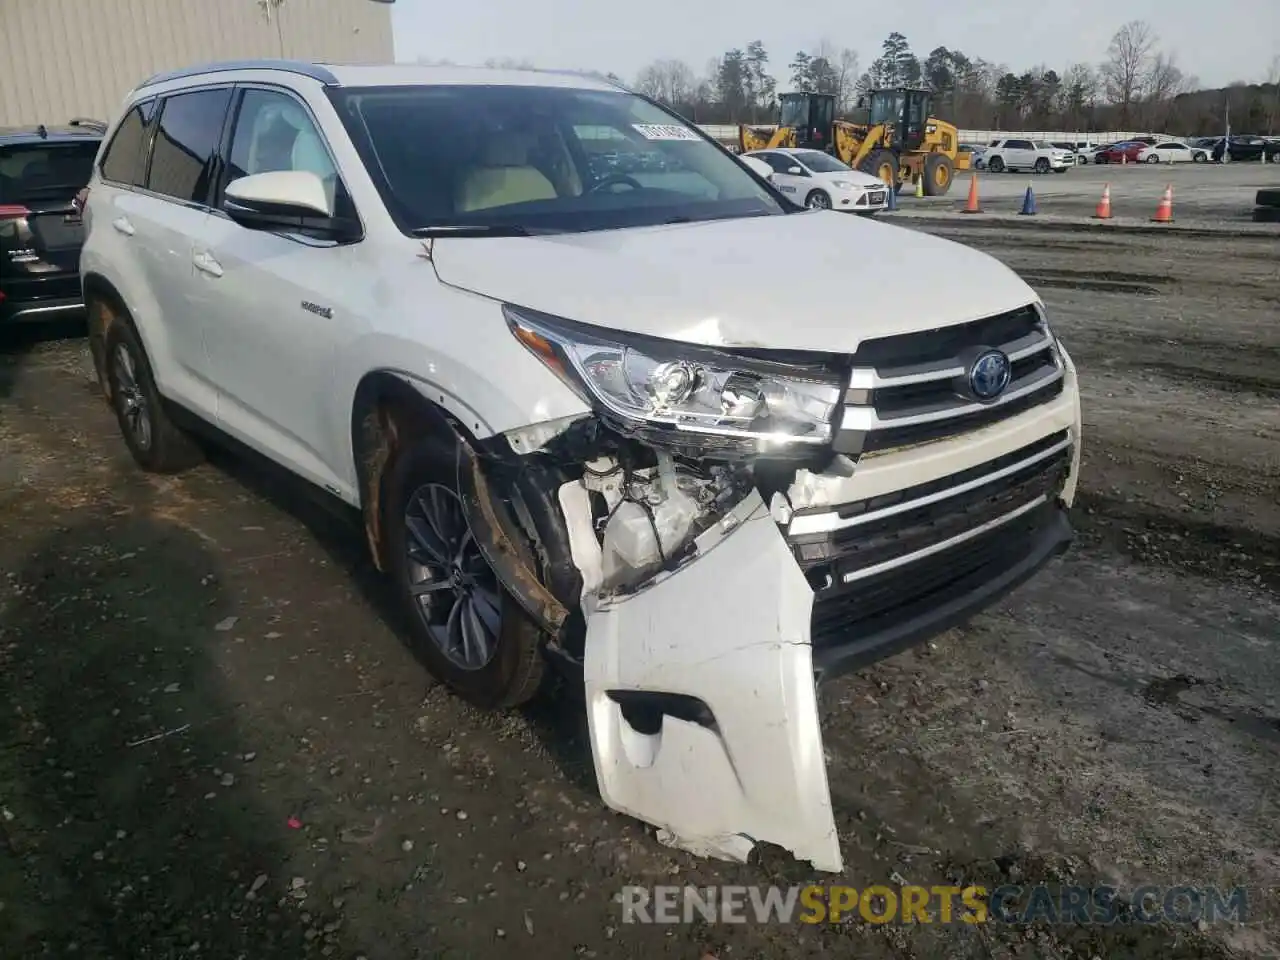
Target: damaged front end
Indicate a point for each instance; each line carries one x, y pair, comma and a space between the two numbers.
690, 620
726, 527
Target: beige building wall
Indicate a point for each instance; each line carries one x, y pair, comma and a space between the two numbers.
79, 58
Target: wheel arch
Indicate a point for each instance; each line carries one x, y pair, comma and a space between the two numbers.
96, 288
389, 410
388, 406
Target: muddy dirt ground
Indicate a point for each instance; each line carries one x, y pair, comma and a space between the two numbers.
214, 745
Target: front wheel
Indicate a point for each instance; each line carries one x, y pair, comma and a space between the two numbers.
995, 165
463, 625
1199, 157
1042, 165
818, 200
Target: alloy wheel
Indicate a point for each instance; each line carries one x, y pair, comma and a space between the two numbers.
818, 201
131, 398
454, 589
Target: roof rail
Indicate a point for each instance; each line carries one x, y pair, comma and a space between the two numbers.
301, 67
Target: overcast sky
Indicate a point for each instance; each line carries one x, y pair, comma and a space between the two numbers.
1218, 41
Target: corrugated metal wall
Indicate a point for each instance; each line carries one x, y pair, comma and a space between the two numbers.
65, 58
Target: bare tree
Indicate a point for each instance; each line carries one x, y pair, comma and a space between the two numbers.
1165, 80
847, 84
670, 81
1128, 62
1273, 97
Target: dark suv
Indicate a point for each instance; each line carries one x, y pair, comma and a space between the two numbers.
41, 171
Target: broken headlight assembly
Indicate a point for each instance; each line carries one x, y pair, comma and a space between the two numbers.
683, 394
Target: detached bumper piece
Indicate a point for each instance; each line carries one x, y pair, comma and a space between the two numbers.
704, 716
896, 569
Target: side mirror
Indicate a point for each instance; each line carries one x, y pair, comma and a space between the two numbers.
796, 171
757, 166
294, 201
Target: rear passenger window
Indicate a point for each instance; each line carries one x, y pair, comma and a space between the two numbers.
124, 158
186, 144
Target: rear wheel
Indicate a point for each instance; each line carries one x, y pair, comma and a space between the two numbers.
468, 631
156, 443
938, 174
818, 200
883, 165
995, 165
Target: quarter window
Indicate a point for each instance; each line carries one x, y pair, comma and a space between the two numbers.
123, 161
186, 144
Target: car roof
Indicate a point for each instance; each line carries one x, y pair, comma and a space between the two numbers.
60, 133
382, 75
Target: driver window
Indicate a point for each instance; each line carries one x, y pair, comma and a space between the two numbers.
274, 132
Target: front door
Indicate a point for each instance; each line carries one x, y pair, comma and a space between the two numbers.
274, 303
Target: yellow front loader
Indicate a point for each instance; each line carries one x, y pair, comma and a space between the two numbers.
901, 143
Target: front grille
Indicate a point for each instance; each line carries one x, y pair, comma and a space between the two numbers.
896, 550
912, 388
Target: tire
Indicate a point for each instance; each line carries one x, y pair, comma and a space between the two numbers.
1199, 157
1154, 158
818, 200
939, 172
995, 165
513, 670
157, 444
1042, 165
882, 164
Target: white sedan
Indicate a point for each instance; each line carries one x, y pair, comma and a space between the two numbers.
818, 180
1173, 151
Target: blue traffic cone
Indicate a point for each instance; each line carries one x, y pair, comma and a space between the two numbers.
893, 201
1028, 204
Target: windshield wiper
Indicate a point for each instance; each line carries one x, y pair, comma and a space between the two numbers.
474, 230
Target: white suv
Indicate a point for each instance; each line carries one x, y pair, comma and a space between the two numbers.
584, 401
1013, 155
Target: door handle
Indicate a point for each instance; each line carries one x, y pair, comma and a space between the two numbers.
123, 225
206, 264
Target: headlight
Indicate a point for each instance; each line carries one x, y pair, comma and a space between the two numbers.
646, 384
842, 184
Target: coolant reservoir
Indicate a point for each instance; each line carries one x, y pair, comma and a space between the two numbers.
631, 540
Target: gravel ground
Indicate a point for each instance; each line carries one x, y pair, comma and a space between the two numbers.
1212, 194
214, 744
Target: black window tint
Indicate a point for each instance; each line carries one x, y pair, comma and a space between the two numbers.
779, 163
46, 170
124, 160
186, 143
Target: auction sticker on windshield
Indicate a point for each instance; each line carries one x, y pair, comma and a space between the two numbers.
664, 131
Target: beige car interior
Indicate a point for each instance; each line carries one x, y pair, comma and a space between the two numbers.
505, 175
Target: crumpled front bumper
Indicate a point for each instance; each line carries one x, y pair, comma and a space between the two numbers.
728, 632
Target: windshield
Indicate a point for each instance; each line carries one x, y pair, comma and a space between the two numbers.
541, 159
45, 171
820, 162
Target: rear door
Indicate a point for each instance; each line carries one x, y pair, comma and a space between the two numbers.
161, 222
41, 232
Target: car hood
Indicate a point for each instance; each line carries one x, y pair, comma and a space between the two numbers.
818, 281
855, 177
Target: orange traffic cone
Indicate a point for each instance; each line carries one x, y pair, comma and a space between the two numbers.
1104, 204
1164, 212
972, 205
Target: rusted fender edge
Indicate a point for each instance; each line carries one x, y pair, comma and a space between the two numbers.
497, 537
